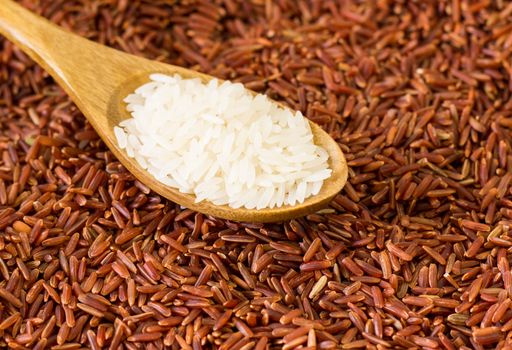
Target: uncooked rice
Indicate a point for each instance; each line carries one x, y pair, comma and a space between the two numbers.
222, 143
391, 81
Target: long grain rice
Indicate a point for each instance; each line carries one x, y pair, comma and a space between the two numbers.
248, 152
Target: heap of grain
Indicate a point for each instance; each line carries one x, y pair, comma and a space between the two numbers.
222, 143
413, 253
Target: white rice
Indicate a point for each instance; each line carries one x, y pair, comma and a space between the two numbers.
222, 144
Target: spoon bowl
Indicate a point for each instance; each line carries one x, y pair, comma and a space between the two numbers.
98, 78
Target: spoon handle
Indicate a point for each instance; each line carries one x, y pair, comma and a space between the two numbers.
43, 41
87, 71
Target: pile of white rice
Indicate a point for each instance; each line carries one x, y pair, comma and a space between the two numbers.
222, 144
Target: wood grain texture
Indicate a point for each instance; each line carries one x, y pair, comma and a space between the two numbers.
98, 78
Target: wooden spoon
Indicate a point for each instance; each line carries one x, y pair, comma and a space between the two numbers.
98, 78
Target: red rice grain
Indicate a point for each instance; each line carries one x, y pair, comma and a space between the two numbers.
413, 253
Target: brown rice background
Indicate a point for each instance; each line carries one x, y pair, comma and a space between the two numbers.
413, 253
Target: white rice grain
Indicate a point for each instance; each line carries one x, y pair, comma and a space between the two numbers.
222, 144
